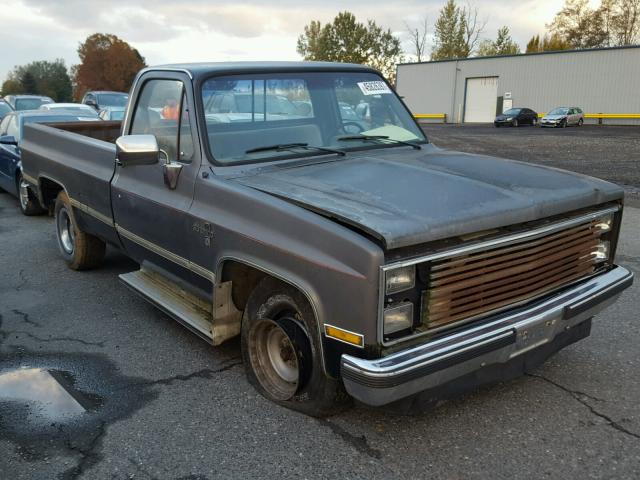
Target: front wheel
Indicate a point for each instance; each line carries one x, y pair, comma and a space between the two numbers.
515, 122
281, 351
81, 250
580, 122
29, 204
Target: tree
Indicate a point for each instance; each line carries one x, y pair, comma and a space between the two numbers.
534, 45
614, 22
346, 40
42, 78
457, 32
503, 45
106, 63
418, 36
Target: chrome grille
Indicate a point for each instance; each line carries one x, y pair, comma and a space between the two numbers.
472, 285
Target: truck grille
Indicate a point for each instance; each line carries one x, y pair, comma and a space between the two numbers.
471, 285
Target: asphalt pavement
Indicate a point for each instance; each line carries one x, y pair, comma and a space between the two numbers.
159, 403
608, 152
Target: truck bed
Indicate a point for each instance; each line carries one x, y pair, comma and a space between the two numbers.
80, 158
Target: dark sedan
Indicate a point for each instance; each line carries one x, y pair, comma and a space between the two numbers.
515, 117
11, 129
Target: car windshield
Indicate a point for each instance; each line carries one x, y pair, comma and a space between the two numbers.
558, 111
30, 103
294, 114
512, 111
112, 99
4, 109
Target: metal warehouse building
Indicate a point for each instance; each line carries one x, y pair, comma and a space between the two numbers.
604, 82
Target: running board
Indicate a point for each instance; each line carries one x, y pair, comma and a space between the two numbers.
187, 309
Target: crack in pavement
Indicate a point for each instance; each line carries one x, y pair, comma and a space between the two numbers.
54, 339
207, 373
89, 456
359, 443
576, 395
23, 280
25, 318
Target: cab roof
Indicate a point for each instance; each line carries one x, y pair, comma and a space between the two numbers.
205, 69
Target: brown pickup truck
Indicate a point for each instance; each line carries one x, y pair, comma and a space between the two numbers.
300, 206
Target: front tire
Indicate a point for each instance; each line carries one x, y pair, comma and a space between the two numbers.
515, 123
80, 250
580, 122
281, 351
29, 204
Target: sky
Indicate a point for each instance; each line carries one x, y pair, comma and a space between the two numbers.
174, 31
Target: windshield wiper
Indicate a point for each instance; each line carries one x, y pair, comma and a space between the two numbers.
379, 137
290, 146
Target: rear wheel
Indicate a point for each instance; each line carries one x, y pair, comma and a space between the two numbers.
580, 122
81, 250
29, 204
281, 351
534, 122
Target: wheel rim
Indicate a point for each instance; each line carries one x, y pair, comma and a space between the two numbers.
274, 359
23, 190
65, 231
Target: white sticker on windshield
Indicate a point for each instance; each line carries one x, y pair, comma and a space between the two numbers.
374, 88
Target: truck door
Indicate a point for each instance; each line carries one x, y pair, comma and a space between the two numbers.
151, 216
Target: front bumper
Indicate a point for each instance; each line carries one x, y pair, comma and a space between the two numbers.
497, 341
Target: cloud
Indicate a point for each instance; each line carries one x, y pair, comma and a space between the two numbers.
167, 31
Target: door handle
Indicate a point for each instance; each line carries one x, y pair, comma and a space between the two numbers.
171, 172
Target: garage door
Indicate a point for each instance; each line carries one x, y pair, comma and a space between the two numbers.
481, 99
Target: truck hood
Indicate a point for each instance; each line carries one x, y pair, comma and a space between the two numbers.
406, 197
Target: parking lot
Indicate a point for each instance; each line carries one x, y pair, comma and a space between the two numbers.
160, 403
608, 152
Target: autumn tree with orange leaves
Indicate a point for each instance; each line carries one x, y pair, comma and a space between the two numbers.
106, 63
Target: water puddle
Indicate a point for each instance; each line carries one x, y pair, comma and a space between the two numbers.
51, 392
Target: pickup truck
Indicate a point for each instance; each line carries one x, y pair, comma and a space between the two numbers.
353, 258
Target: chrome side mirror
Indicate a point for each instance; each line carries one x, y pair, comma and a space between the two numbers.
137, 150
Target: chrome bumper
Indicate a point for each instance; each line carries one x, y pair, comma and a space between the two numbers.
498, 340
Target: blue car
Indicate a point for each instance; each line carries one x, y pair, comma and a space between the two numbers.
11, 129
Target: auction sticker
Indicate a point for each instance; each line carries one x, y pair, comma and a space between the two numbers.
374, 88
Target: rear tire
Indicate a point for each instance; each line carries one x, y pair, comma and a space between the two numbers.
281, 351
29, 204
580, 122
80, 250
534, 122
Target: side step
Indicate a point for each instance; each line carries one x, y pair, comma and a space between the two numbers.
192, 312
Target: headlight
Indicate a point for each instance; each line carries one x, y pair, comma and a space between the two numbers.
399, 279
509, 119
398, 317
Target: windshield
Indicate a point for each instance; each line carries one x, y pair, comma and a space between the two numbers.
558, 111
113, 99
4, 109
336, 110
512, 111
30, 103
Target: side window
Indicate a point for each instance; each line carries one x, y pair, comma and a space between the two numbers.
158, 113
